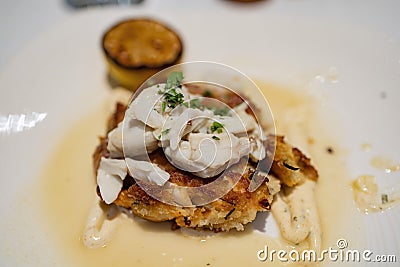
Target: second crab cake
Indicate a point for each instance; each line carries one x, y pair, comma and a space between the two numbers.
138, 48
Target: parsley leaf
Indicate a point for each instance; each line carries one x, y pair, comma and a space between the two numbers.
172, 98
174, 80
220, 111
216, 126
216, 137
194, 103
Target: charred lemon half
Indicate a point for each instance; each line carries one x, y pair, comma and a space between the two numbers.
138, 48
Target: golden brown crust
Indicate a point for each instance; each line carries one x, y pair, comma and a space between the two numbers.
234, 210
116, 117
225, 96
289, 164
237, 208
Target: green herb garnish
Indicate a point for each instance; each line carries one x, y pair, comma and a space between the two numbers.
229, 213
220, 111
194, 103
172, 98
174, 80
216, 137
216, 126
289, 166
384, 198
163, 133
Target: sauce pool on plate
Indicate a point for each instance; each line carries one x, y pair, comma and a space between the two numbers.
67, 199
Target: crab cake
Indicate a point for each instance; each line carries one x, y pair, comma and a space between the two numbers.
231, 211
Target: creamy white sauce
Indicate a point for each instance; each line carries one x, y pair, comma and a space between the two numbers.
99, 227
297, 215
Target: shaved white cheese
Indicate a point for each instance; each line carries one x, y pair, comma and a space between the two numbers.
257, 138
257, 149
189, 136
181, 197
110, 176
134, 146
147, 171
240, 121
145, 106
112, 172
185, 123
114, 144
207, 157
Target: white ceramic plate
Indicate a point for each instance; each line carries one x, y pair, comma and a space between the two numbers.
62, 74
